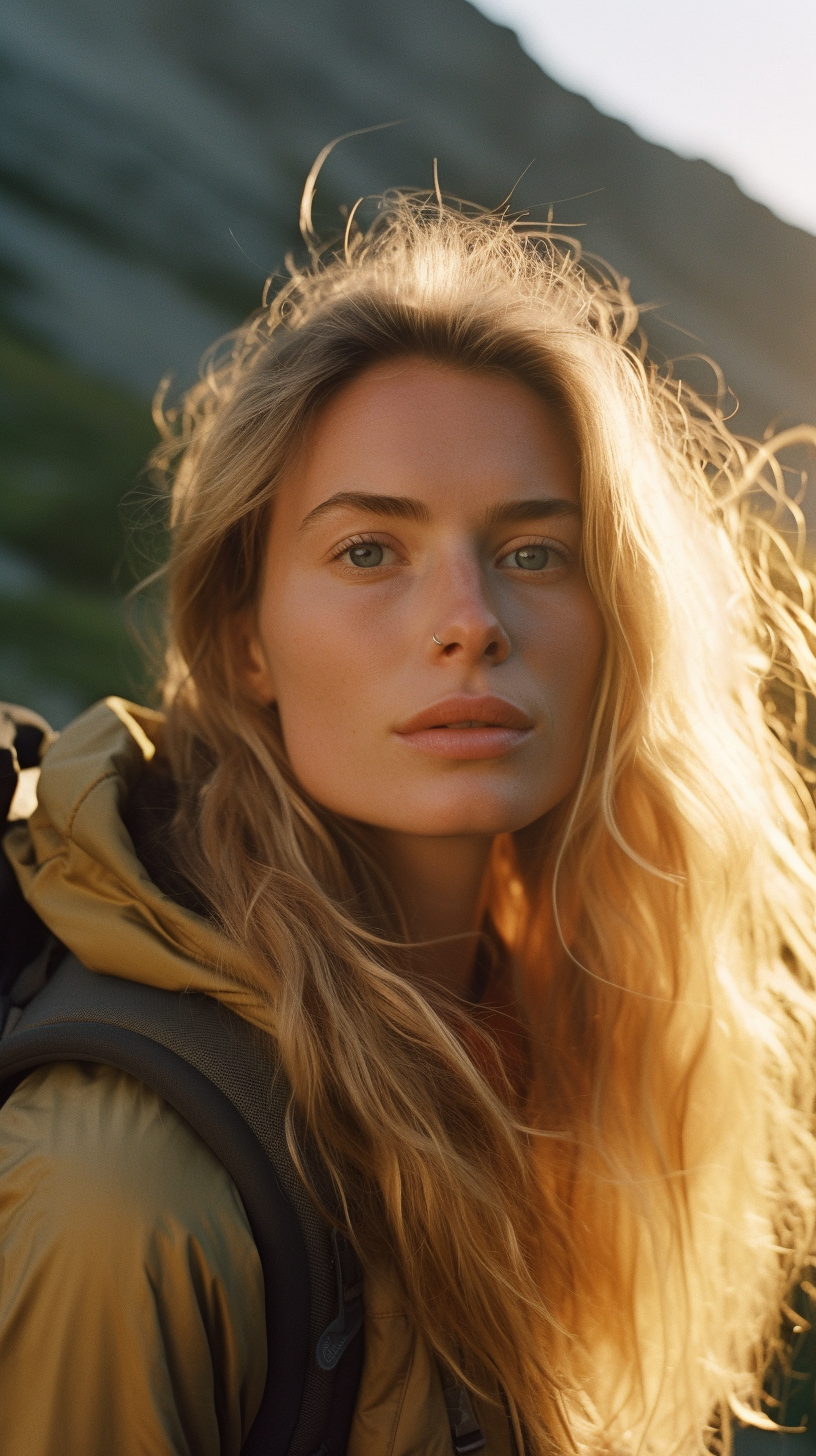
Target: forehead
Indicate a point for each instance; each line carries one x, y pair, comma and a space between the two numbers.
434, 432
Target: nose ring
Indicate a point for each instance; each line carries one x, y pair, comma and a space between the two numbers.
437, 641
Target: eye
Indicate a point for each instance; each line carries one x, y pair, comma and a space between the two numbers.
371, 553
366, 555
534, 556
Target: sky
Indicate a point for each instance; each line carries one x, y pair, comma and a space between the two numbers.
732, 81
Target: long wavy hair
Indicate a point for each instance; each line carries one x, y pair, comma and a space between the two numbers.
607, 1249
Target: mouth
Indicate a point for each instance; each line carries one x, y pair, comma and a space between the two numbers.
467, 726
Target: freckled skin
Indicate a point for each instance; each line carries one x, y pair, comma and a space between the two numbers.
347, 650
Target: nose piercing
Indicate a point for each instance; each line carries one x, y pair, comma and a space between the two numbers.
437, 641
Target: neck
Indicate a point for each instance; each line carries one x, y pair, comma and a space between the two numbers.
439, 882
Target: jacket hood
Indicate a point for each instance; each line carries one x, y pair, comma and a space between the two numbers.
78, 868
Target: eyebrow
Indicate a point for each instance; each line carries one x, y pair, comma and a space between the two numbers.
532, 510
407, 509
375, 505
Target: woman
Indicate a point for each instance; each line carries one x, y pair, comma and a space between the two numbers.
485, 783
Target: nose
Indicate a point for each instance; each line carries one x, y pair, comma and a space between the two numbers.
464, 623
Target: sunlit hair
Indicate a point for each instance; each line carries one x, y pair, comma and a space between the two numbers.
611, 1251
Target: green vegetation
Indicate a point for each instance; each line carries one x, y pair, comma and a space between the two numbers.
72, 487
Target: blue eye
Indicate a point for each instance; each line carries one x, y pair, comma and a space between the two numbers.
531, 558
368, 553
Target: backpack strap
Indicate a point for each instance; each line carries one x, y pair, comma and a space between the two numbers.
221, 1076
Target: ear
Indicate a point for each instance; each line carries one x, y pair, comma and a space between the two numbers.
251, 664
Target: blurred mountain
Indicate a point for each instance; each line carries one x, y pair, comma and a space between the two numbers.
151, 161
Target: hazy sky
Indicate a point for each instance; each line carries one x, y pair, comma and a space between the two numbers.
733, 81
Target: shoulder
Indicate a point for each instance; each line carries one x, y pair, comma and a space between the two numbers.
91, 1157
107, 1137
130, 1279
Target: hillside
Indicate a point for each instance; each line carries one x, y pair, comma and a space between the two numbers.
151, 160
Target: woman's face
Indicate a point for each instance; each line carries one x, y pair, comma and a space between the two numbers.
427, 503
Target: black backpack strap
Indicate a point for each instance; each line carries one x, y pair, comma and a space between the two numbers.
220, 1075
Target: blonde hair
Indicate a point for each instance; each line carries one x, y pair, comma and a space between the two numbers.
612, 1254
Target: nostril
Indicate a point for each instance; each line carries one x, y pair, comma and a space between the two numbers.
491, 649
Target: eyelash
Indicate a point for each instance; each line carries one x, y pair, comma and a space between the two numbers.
556, 547
360, 541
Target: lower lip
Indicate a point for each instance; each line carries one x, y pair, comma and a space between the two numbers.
466, 742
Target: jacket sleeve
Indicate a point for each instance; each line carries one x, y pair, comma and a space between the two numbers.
131, 1292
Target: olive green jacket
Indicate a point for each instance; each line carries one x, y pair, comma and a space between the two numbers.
131, 1293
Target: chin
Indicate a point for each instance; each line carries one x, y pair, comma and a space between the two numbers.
462, 819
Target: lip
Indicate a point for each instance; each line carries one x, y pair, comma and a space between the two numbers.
499, 727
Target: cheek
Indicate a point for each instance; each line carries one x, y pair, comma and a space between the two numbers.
329, 653
565, 654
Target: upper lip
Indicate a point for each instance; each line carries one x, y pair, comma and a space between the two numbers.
466, 708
